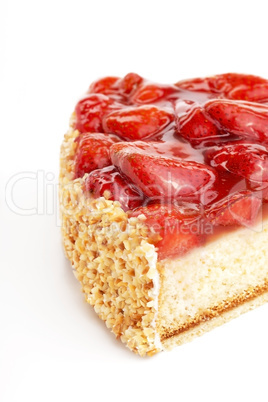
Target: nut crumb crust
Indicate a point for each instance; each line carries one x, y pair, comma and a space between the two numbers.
111, 257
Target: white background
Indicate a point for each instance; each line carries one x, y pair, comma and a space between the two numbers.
52, 346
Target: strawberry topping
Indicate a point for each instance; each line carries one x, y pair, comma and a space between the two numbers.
137, 123
91, 110
130, 82
196, 127
240, 209
109, 182
248, 120
230, 86
190, 153
174, 229
93, 152
151, 93
242, 159
160, 176
104, 85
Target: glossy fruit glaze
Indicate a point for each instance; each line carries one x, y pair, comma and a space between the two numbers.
190, 157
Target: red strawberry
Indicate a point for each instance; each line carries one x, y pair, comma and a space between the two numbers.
110, 180
150, 93
104, 85
258, 93
93, 152
196, 84
159, 176
231, 85
196, 127
137, 123
170, 149
242, 159
177, 226
240, 208
242, 87
130, 82
90, 111
248, 120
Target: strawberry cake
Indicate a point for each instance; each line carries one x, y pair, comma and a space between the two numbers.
163, 195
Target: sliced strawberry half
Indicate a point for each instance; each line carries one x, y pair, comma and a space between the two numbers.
137, 123
93, 152
238, 86
196, 85
150, 93
242, 87
178, 228
231, 86
240, 208
130, 82
161, 177
109, 180
196, 126
90, 111
242, 159
104, 85
248, 120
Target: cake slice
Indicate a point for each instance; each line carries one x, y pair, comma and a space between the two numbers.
163, 195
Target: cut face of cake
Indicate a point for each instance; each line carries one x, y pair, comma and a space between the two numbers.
163, 194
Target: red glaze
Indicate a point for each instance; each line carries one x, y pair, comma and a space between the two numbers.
93, 152
201, 141
104, 85
137, 123
130, 82
248, 120
176, 226
241, 159
239, 209
162, 177
150, 93
91, 110
230, 86
196, 127
110, 180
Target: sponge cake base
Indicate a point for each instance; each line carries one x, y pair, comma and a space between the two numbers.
213, 284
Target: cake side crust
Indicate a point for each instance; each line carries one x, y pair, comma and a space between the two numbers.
112, 258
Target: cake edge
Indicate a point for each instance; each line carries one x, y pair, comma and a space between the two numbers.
111, 257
